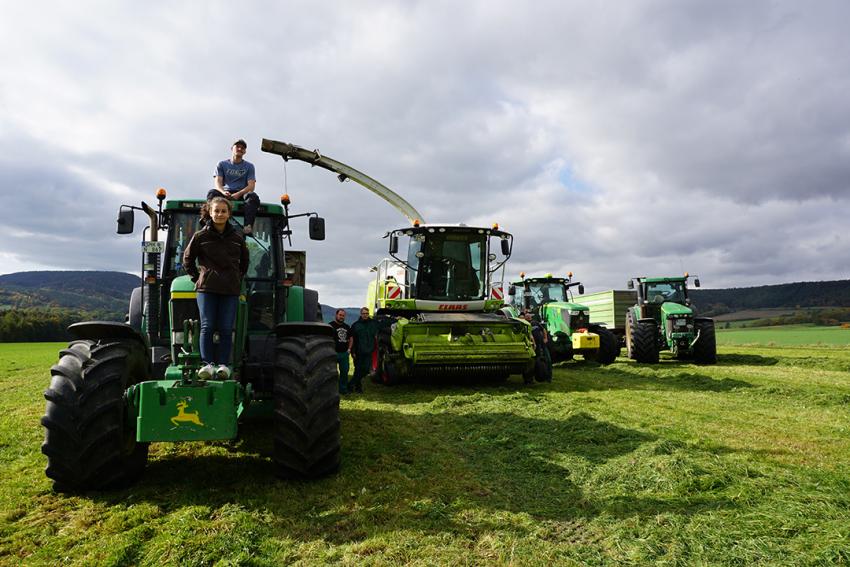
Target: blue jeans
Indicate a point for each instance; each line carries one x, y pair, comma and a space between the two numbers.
342, 362
218, 312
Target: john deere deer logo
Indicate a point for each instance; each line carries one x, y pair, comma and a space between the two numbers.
182, 415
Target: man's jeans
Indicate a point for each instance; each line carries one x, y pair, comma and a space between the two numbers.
342, 362
218, 312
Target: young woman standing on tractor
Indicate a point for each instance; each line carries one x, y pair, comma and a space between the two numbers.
222, 260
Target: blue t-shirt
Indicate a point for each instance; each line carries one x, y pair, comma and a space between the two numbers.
236, 175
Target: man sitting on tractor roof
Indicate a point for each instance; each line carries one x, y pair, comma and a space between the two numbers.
235, 179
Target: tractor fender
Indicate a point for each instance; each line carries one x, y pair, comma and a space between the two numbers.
106, 330
300, 328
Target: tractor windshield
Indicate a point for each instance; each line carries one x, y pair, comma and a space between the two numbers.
660, 292
448, 265
185, 224
546, 292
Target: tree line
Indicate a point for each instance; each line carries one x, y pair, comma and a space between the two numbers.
42, 324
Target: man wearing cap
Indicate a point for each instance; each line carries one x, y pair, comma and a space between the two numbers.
235, 179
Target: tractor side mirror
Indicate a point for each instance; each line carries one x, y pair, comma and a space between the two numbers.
125, 221
317, 228
630, 285
506, 248
393, 244
512, 290
696, 282
581, 289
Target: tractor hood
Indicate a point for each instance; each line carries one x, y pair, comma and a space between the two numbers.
675, 309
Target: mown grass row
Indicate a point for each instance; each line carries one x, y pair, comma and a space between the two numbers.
741, 463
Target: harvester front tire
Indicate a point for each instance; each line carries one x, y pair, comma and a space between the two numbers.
705, 349
387, 372
609, 348
89, 442
306, 408
643, 341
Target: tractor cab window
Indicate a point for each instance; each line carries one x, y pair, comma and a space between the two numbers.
546, 292
183, 227
450, 266
660, 292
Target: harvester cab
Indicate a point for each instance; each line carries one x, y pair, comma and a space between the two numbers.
568, 323
146, 370
663, 319
438, 303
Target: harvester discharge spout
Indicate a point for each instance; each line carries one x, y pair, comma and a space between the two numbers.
344, 172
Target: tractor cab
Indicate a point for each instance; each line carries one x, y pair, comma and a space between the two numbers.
663, 297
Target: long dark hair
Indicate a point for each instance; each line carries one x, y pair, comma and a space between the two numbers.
207, 207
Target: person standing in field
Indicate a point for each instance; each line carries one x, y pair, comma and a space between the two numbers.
363, 333
343, 344
235, 179
222, 260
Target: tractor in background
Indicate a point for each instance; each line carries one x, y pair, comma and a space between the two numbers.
663, 319
121, 386
568, 323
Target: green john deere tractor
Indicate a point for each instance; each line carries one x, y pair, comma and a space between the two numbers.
120, 386
438, 307
663, 319
567, 322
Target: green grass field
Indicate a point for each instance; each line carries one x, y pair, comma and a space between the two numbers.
786, 335
743, 463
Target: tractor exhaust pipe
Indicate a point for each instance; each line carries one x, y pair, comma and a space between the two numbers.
151, 273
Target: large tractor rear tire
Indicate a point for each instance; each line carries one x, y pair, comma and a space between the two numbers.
89, 441
609, 348
306, 412
642, 340
705, 349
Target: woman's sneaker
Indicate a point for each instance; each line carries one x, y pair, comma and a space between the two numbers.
222, 372
206, 372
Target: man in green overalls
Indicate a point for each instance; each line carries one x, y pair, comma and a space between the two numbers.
363, 331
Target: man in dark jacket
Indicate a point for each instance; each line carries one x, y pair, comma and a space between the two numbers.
363, 333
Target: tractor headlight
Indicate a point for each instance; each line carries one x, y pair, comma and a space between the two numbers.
575, 313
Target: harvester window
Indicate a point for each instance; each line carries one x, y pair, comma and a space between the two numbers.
450, 266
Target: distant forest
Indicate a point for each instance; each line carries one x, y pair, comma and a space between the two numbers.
39, 306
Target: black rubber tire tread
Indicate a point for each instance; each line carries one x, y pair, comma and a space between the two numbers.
87, 441
705, 349
387, 372
645, 341
609, 349
134, 313
306, 412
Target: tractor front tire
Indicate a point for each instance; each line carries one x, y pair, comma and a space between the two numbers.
705, 349
306, 407
609, 348
89, 441
643, 341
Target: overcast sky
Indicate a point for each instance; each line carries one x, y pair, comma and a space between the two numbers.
612, 139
